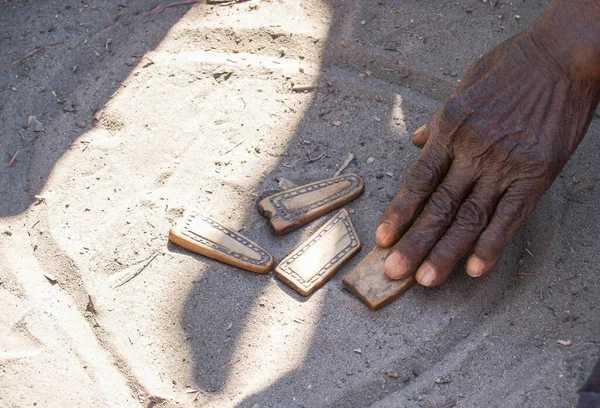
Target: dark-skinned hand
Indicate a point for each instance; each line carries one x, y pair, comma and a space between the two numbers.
495, 147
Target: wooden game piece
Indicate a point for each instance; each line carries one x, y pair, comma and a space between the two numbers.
291, 209
318, 258
202, 234
369, 282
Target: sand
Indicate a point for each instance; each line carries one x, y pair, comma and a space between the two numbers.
195, 107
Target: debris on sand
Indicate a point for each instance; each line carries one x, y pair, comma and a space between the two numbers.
29, 54
50, 278
565, 343
158, 9
11, 162
307, 88
285, 184
34, 125
392, 373
345, 164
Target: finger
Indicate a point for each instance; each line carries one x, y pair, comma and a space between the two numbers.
467, 226
513, 209
421, 136
420, 182
431, 225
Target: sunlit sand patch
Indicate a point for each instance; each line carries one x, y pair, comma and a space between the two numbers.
274, 342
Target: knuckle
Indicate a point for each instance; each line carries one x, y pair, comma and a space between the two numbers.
443, 203
421, 177
511, 209
472, 213
454, 108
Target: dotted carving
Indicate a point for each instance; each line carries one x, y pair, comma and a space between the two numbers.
277, 201
265, 258
340, 217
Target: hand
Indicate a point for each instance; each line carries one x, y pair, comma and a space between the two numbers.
488, 156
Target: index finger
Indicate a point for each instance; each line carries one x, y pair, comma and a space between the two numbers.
420, 182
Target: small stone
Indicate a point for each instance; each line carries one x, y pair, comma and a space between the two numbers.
379, 175
34, 125
389, 173
357, 351
68, 107
80, 124
392, 373
565, 343
370, 160
336, 123
229, 326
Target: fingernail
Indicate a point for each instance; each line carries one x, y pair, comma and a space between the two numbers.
385, 235
426, 274
396, 266
419, 130
475, 266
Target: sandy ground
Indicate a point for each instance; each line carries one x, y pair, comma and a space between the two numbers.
140, 119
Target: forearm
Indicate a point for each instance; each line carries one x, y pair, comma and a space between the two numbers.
570, 31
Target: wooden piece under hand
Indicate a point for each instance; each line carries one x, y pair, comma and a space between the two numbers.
291, 209
369, 282
317, 259
207, 237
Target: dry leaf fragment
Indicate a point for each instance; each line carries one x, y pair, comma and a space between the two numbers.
50, 277
285, 184
10, 163
34, 125
392, 374
345, 164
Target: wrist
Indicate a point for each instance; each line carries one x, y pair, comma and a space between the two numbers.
568, 31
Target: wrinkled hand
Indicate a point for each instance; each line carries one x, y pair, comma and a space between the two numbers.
488, 156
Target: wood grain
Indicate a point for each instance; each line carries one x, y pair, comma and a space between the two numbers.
317, 259
369, 282
291, 209
203, 235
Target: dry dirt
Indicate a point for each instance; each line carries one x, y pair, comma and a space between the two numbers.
141, 117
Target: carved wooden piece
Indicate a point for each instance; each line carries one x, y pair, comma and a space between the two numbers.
317, 259
208, 237
291, 209
369, 282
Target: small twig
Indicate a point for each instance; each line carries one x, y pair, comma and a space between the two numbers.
10, 163
158, 9
136, 273
344, 165
33, 226
529, 252
309, 88
237, 144
29, 54
319, 157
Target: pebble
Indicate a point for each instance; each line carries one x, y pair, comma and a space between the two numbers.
34, 125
